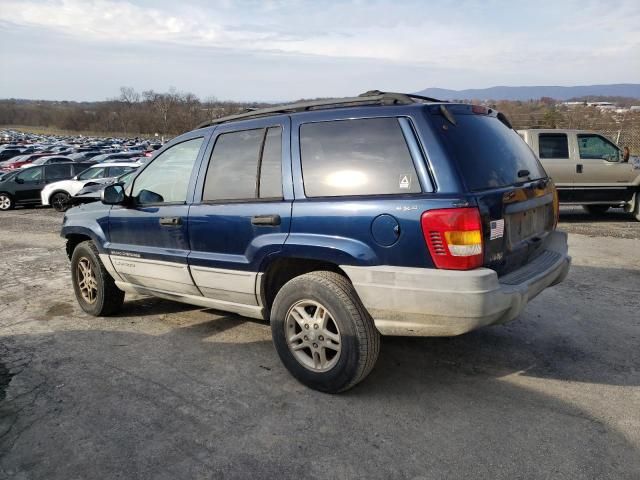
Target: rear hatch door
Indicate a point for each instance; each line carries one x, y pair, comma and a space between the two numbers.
502, 175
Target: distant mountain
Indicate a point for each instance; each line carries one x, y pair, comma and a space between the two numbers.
534, 92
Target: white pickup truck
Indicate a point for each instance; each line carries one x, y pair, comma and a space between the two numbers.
588, 169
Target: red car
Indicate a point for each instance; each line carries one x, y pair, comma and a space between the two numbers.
20, 160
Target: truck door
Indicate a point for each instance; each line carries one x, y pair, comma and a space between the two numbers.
600, 172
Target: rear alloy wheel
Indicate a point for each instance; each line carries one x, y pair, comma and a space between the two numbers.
59, 201
322, 332
6, 202
313, 336
596, 209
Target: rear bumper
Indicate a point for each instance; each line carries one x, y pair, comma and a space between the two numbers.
429, 302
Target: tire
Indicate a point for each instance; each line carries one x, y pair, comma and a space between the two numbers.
98, 295
6, 202
596, 209
59, 201
350, 342
636, 207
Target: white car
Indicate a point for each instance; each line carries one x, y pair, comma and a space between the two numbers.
58, 194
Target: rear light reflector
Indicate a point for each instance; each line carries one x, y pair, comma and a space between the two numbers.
556, 208
454, 237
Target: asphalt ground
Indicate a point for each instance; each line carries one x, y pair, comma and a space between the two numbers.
171, 391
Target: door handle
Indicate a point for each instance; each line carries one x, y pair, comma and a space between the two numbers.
579, 168
170, 221
266, 220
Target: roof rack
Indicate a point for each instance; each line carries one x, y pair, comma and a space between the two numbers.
372, 97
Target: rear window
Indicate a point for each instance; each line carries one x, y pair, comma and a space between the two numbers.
356, 157
487, 152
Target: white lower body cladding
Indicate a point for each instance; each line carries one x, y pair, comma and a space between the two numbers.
430, 302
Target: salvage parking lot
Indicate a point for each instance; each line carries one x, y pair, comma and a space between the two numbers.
174, 391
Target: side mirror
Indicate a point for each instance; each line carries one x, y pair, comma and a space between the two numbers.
113, 194
19, 180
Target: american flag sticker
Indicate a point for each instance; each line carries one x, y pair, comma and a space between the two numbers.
497, 229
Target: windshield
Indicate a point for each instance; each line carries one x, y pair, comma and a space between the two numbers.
488, 153
7, 176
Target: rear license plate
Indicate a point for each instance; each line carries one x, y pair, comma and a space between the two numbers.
528, 224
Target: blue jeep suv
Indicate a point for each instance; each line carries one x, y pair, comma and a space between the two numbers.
335, 220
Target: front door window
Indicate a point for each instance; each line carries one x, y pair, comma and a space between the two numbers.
595, 147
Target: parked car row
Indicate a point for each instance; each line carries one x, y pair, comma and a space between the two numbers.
55, 184
22, 149
50, 170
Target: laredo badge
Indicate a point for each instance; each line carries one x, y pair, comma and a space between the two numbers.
497, 229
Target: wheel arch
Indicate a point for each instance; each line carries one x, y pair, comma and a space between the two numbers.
280, 270
60, 190
77, 235
73, 240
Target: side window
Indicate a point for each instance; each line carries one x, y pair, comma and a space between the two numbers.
117, 171
596, 147
30, 175
245, 165
553, 145
92, 173
166, 179
57, 172
271, 166
356, 157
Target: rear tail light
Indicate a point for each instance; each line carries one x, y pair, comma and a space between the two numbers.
479, 110
454, 237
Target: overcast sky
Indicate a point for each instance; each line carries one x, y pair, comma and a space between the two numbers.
280, 50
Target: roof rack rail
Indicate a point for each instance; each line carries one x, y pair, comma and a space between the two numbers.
372, 97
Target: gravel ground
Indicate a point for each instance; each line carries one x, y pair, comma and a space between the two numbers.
171, 391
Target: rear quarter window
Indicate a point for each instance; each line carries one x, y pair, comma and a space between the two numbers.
487, 152
356, 157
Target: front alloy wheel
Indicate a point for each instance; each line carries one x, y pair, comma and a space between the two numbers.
94, 287
87, 283
6, 202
